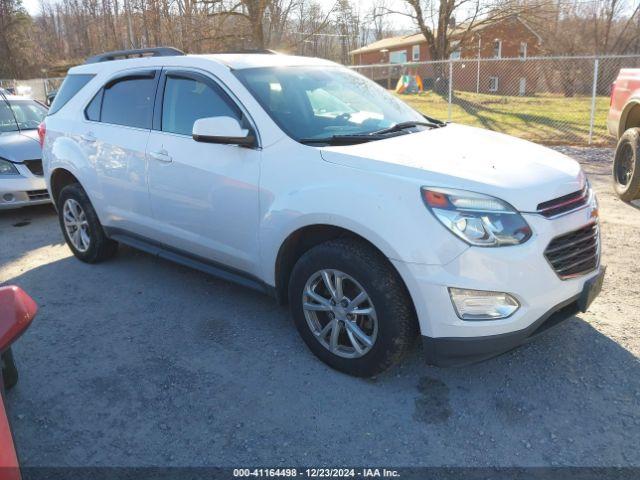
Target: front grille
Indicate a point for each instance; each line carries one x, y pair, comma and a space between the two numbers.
564, 204
575, 253
38, 194
35, 167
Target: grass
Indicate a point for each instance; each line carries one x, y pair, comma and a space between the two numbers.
548, 119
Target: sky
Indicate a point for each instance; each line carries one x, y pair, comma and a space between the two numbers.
32, 6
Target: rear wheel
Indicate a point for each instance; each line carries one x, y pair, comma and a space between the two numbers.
626, 166
351, 307
81, 228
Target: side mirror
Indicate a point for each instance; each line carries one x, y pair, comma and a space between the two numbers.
17, 310
225, 130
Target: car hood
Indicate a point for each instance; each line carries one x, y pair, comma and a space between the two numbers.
20, 146
456, 156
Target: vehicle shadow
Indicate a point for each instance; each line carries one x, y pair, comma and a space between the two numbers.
26, 229
138, 361
25, 214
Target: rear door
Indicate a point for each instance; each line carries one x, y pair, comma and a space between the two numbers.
116, 134
204, 196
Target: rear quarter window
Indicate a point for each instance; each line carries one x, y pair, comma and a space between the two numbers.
69, 88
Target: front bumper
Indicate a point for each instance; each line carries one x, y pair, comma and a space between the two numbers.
448, 352
521, 271
22, 190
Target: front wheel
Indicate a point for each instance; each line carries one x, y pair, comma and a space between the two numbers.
626, 166
351, 307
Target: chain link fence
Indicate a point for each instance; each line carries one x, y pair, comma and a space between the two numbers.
36, 88
552, 100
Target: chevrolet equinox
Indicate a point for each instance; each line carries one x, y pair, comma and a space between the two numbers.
299, 177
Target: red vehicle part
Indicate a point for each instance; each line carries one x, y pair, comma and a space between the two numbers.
17, 310
623, 121
624, 111
9, 469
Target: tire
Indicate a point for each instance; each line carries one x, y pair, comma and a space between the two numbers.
392, 327
9, 370
99, 247
626, 166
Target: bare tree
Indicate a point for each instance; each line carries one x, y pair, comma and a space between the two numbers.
378, 23
17, 49
252, 11
75, 29
598, 27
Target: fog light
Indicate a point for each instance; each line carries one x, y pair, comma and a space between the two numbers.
482, 305
8, 197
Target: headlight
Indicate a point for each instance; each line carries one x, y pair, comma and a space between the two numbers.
476, 218
7, 168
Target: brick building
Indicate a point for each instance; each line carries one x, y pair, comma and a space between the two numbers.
508, 38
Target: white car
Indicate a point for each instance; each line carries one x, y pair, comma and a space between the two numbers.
21, 177
303, 179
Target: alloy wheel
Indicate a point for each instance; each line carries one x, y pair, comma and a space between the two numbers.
624, 167
340, 313
76, 225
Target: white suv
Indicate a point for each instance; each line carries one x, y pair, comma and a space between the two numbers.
301, 178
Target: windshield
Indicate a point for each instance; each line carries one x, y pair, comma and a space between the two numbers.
320, 102
27, 113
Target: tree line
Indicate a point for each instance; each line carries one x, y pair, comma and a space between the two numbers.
65, 32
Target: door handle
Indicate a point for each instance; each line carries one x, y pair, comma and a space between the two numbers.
88, 137
161, 156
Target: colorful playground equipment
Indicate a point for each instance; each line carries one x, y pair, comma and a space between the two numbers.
409, 84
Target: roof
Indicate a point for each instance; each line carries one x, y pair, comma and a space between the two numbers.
234, 61
415, 38
399, 41
239, 61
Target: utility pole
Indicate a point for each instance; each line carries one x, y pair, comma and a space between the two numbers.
127, 10
478, 69
638, 30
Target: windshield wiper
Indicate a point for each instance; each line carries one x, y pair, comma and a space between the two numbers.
410, 124
342, 139
352, 139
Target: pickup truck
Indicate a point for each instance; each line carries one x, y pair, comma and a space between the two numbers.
624, 123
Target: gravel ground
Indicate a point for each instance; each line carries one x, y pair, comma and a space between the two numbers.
140, 362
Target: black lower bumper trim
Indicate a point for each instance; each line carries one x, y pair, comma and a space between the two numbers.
457, 351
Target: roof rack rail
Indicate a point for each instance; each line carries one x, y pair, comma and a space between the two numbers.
264, 51
136, 53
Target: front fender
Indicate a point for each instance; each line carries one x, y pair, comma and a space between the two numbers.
634, 102
385, 210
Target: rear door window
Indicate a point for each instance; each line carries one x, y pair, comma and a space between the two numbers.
129, 101
71, 85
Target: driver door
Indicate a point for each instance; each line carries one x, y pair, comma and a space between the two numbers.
204, 196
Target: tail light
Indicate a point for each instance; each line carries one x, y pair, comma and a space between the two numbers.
42, 131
